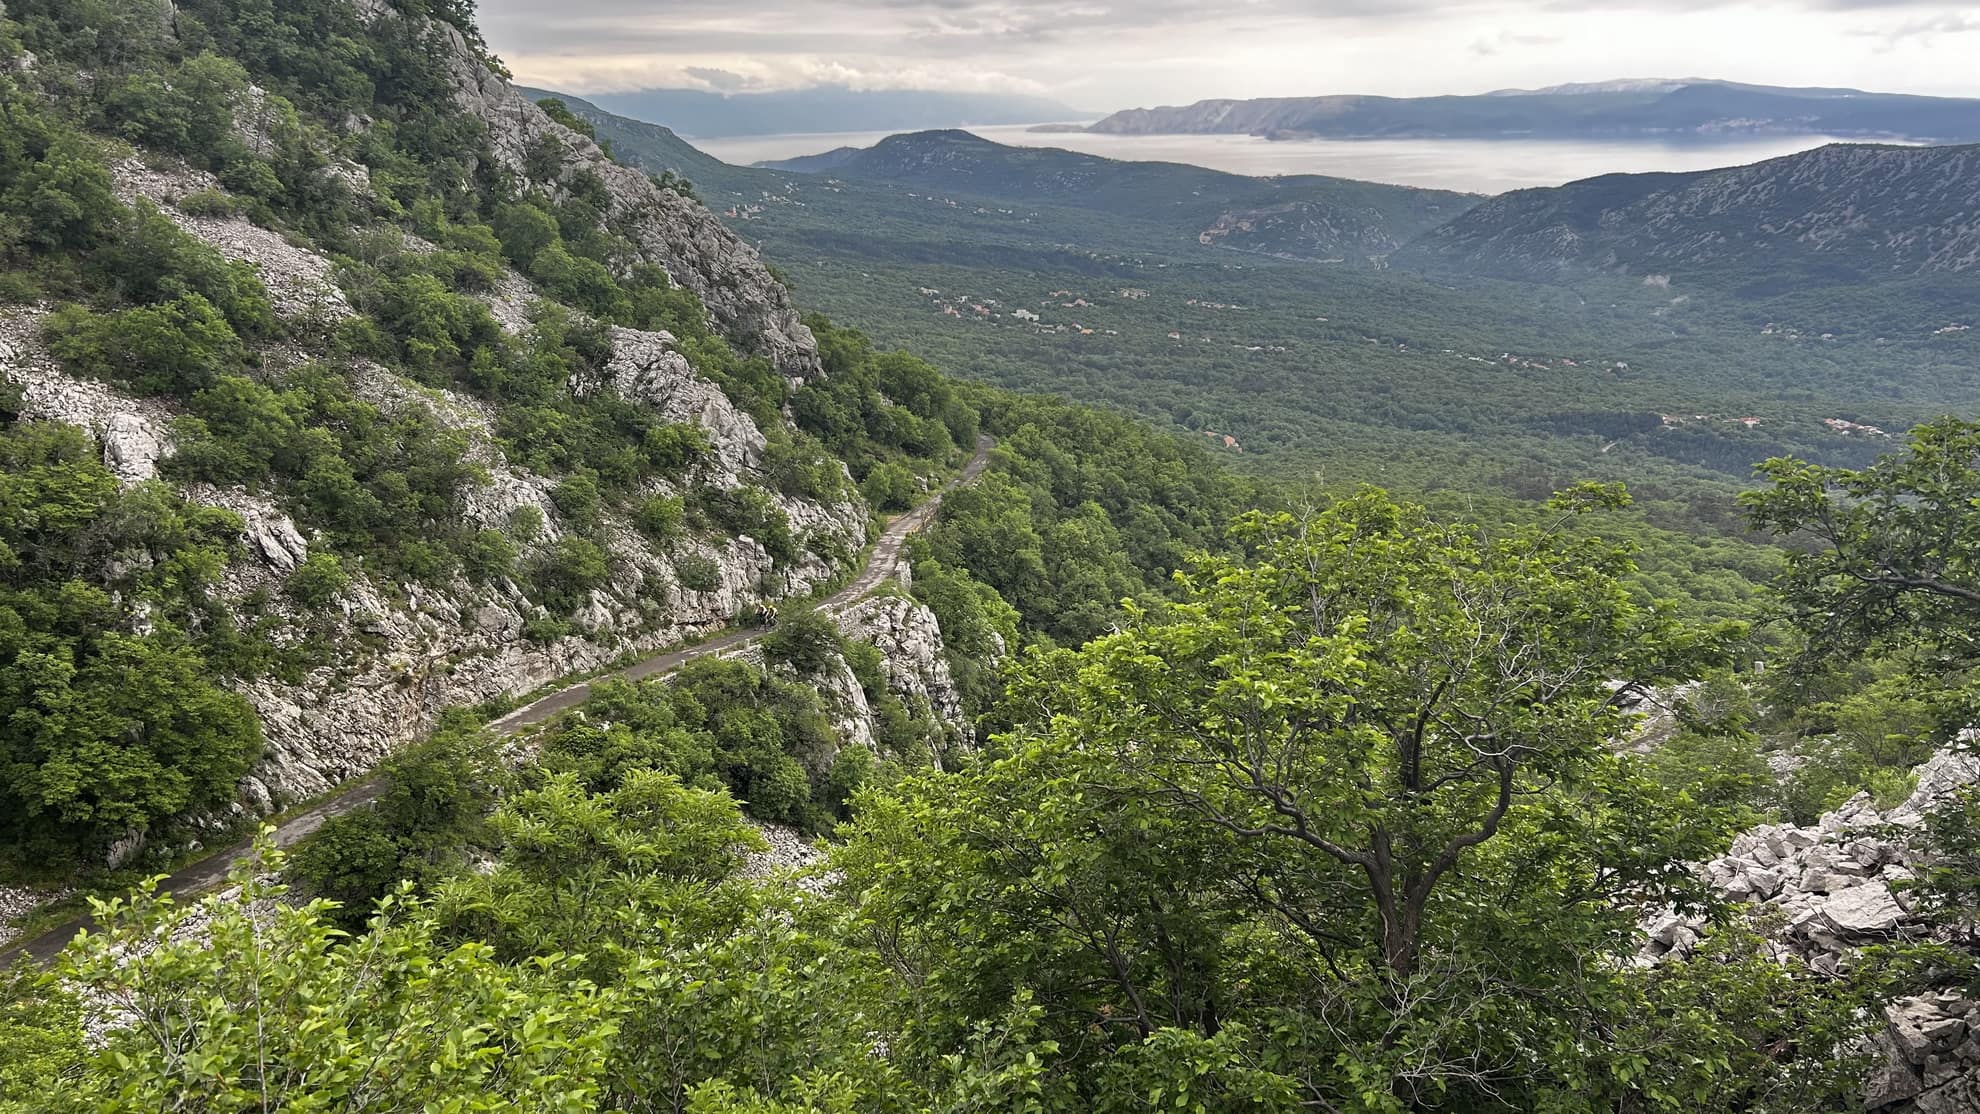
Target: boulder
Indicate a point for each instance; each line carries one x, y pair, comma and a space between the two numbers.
132, 447
1866, 910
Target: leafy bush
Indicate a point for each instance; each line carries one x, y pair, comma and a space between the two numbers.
178, 348
697, 573
807, 641
318, 581
660, 518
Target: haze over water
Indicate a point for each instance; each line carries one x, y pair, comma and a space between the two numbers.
1472, 165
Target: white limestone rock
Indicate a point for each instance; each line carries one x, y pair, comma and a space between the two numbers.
301, 284
912, 652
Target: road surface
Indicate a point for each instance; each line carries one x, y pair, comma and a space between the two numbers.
212, 870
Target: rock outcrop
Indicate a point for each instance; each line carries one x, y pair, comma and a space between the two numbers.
135, 433
412, 651
673, 232
1824, 891
912, 652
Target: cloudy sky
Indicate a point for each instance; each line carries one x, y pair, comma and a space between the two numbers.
1107, 54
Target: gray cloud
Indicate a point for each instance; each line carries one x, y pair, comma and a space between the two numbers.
1109, 53
722, 81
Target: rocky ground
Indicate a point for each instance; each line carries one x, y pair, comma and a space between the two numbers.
1825, 891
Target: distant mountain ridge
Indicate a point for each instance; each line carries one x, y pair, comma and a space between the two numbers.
1292, 216
1841, 213
693, 112
1637, 108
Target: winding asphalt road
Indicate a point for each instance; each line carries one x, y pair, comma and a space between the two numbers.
209, 872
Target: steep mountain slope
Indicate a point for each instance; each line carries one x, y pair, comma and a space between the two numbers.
340, 458
1299, 216
1842, 213
1644, 109
652, 147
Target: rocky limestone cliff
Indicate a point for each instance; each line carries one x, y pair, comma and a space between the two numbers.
410, 651
1824, 891
671, 231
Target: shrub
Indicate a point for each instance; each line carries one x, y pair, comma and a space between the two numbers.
577, 499
659, 518
565, 576
807, 641
176, 349
318, 581
697, 573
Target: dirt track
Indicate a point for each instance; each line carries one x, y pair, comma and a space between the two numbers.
210, 871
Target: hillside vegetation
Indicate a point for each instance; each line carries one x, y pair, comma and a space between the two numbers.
350, 397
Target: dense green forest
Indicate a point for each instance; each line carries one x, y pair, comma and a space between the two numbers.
1271, 790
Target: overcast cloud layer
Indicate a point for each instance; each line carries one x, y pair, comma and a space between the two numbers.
1108, 54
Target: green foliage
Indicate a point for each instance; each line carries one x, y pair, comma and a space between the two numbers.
1888, 557
1309, 785
717, 725
876, 409
697, 572
808, 641
177, 348
889, 487
318, 581
432, 808
564, 575
659, 518
263, 1007
109, 731
384, 484
752, 512
41, 1029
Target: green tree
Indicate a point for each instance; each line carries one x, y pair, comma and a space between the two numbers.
1886, 557
1363, 774
806, 640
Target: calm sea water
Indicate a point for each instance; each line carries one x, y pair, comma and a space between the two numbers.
1474, 165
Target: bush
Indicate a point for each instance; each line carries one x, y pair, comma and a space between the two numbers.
318, 581
565, 576
577, 499
659, 518
490, 556
177, 349
807, 641
697, 573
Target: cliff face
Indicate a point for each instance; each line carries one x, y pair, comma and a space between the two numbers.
673, 232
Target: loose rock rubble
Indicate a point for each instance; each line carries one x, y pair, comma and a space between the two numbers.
1833, 887
135, 433
17, 902
301, 284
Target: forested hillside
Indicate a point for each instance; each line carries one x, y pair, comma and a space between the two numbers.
1842, 214
1676, 385
352, 399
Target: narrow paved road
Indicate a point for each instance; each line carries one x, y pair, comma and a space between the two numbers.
209, 872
